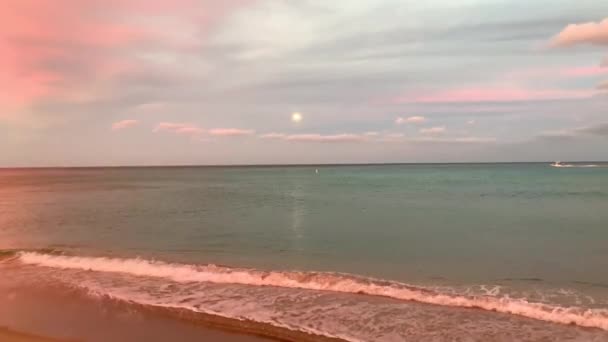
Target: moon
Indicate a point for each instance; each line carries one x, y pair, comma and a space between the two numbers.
296, 117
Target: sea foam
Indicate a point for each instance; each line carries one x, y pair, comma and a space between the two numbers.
320, 281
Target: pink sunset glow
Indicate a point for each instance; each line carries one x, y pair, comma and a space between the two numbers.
178, 128
52, 50
187, 73
585, 71
527, 75
50, 34
124, 124
230, 132
494, 94
326, 138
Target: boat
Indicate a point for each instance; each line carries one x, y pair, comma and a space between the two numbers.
560, 164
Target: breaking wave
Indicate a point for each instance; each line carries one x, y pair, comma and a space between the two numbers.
320, 281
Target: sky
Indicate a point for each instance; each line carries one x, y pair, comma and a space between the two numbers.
174, 82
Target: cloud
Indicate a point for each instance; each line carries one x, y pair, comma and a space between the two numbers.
449, 140
319, 138
471, 122
117, 56
273, 136
124, 124
600, 130
78, 50
597, 130
557, 135
584, 71
148, 108
194, 130
437, 139
494, 94
586, 33
434, 136
178, 128
410, 120
48, 49
230, 132
326, 138
603, 86
433, 130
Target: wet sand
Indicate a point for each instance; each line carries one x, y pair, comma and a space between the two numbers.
37, 315
7, 335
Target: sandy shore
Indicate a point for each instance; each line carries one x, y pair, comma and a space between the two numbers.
65, 313
7, 335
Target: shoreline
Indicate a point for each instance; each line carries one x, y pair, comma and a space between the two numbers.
36, 314
34, 311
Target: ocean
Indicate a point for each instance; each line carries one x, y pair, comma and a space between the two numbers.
437, 252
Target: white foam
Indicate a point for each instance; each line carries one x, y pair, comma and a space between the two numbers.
593, 318
130, 297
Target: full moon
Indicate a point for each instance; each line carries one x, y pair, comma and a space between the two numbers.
296, 117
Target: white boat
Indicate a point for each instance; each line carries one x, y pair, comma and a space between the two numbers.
560, 164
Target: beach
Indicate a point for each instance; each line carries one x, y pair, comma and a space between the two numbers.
7, 335
471, 252
304, 171
35, 313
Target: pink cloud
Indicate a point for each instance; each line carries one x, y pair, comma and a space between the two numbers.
454, 140
494, 94
273, 136
193, 130
433, 130
35, 35
585, 33
584, 71
411, 119
68, 50
432, 135
124, 124
230, 132
435, 138
551, 74
326, 138
320, 138
178, 128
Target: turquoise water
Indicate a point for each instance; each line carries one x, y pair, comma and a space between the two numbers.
519, 231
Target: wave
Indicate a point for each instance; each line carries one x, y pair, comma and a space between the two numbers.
575, 165
320, 281
9, 254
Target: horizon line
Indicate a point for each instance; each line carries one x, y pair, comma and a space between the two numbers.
284, 165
